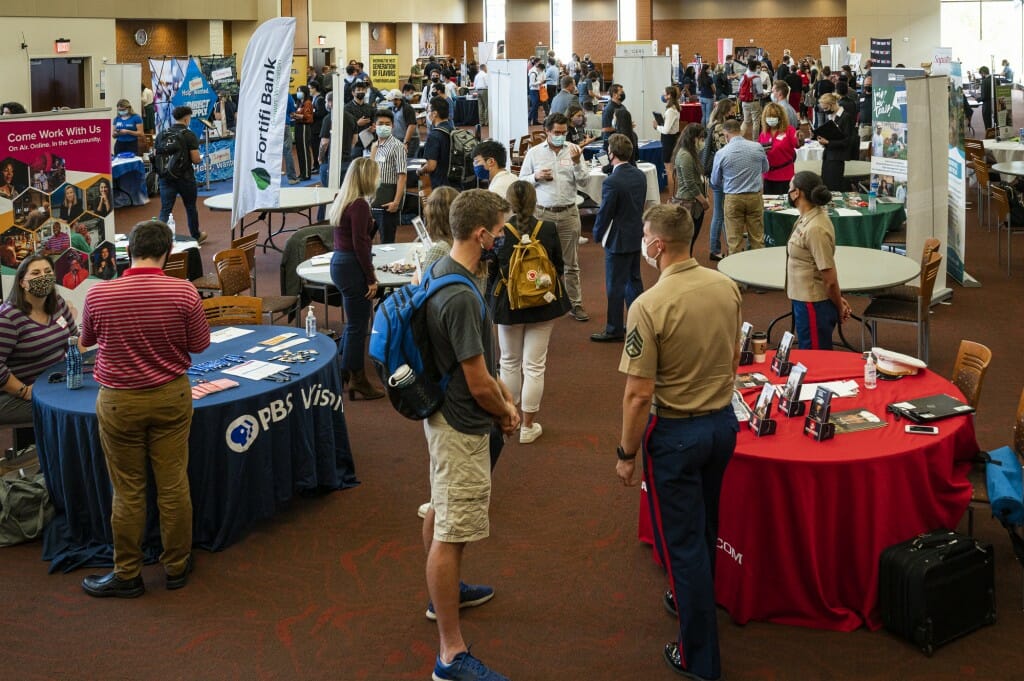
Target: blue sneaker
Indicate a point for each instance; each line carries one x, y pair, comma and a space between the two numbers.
464, 667
470, 596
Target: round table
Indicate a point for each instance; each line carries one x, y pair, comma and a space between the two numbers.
813, 151
853, 169
596, 178
859, 269
251, 449
1005, 151
802, 523
650, 152
1015, 168
291, 200
854, 226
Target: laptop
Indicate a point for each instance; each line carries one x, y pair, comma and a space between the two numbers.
932, 408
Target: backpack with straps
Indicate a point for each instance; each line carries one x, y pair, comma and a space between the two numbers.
460, 155
747, 89
532, 279
170, 154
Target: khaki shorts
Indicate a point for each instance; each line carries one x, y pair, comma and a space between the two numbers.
460, 481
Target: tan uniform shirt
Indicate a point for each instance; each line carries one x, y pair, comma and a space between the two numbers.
811, 249
682, 332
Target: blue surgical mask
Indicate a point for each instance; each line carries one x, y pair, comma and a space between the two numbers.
383, 131
299, 96
557, 140
122, 112
663, 100
481, 172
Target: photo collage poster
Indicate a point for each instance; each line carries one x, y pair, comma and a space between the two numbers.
57, 198
956, 236
889, 136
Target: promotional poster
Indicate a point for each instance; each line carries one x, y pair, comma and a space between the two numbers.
56, 198
957, 235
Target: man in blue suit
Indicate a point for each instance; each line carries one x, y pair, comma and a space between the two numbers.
619, 228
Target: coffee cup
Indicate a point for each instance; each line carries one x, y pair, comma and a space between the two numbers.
759, 345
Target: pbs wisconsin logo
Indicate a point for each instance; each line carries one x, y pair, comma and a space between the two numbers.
242, 433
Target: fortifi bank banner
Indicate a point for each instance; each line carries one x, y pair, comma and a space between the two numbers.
262, 106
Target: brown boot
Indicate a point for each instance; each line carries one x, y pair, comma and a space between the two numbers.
358, 383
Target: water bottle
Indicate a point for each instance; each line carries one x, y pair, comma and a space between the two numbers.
73, 361
870, 371
310, 323
873, 195
171, 225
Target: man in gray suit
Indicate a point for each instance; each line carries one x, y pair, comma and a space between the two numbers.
567, 97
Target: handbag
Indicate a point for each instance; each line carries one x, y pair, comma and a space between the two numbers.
25, 507
707, 154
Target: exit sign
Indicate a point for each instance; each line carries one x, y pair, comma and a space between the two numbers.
60, 46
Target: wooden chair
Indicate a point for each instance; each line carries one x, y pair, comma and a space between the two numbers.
914, 312
231, 310
973, 149
1001, 202
972, 360
904, 291
177, 265
232, 271
896, 239
537, 137
272, 305
984, 189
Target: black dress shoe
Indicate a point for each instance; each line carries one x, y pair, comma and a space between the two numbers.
605, 337
669, 601
178, 581
674, 661
715, 257
111, 586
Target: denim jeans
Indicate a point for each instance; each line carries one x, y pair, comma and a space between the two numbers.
170, 189
348, 277
534, 105
325, 173
623, 285
717, 220
706, 104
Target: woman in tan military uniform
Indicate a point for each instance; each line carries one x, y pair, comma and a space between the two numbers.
812, 283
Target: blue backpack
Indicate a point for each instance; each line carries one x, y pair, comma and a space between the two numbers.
399, 342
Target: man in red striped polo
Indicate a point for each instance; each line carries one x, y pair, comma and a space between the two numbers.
145, 324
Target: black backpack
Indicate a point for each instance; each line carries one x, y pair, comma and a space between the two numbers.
460, 155
170, 154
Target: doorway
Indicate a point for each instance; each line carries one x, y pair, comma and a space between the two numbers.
58, 83
323, 56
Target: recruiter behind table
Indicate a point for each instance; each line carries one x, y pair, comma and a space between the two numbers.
146, 324
812, 282
682, 352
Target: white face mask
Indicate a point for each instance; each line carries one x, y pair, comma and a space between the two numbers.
772, 122
652, 261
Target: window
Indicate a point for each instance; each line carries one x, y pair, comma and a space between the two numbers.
561, 29
981, 33
627, 19
494, 21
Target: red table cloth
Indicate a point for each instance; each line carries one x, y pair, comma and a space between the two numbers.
802, 523
690, 113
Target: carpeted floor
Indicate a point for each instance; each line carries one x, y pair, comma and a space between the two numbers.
333, 588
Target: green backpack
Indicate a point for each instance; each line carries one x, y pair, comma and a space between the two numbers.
25, 507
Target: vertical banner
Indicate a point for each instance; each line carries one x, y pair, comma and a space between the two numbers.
195, 93
1004, 110
262, 103
384, 71
889, 139
724, 48
222, 74
56, 198
957, 226
297, 75
881, 52
942, 57
168, 75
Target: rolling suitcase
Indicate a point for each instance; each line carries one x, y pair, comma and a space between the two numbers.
936, 587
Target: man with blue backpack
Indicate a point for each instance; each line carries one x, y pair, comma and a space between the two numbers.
460, 346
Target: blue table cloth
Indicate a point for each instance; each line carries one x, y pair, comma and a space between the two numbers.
251, 450
467, 111
649, 153
129, 177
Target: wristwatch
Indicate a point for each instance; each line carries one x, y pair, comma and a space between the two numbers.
621, 453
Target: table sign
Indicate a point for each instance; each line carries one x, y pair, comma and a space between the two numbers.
759, 421
817, 424
746, 355
781, 364
789, 400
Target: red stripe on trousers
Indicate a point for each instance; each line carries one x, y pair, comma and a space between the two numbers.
812, 322
658, 525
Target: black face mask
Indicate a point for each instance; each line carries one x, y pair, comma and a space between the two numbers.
789, 197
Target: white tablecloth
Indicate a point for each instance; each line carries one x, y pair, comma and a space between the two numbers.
596, 180
812, 151
1005, 152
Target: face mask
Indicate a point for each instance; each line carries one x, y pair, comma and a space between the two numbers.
772, 122
42, 285
577, 122
557, 140
622, 97
481, 172
122, 112
789, 197
383, 131
652, 261
663, 100
359, 95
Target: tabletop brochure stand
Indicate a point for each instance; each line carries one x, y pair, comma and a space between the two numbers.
817, 424
746, 355
759, 421
789, 400
781, 364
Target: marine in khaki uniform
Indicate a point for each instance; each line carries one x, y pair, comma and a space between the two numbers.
680, 358
812, 282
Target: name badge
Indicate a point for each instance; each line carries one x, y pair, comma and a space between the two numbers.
565, 162
62, 323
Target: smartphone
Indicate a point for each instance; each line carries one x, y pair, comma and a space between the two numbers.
922, 430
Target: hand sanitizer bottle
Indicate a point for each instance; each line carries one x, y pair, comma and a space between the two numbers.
310, 323
870, 371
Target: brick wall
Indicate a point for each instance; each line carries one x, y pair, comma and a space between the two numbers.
168, 38
596, 37
472, 34
522, 36
801, 35
386, 40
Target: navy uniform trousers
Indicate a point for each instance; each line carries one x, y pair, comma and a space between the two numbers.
684, 462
